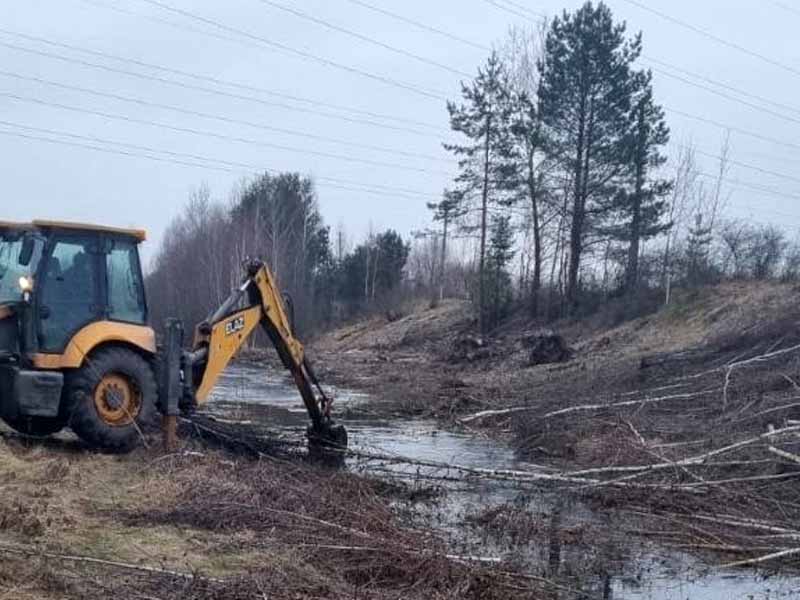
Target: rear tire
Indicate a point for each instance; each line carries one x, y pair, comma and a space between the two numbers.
36, 426
111, 399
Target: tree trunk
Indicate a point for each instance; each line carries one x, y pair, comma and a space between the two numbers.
578, 211
536, 283
632, 270
484, 211
443, 258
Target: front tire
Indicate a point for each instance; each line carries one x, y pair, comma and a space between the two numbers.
111, 399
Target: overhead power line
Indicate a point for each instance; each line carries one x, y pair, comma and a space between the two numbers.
216, 80
739, 130
744, 165
715, 38
419, 25
187, 159
364, 38
786, 7
149, 152
201, 132
218, 117
213, 91
513, 11
746, 185
523, 8
720, 84
727, 96
435, 95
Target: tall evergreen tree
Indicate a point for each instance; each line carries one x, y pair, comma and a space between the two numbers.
585, 99
640, 205
484, 166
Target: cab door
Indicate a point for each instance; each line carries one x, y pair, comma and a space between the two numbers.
69, 290
124, 284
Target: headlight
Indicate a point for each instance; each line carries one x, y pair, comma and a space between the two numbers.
26, 284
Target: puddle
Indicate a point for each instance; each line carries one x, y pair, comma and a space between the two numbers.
614, 566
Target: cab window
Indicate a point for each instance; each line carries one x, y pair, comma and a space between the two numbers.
68, 291
124, 281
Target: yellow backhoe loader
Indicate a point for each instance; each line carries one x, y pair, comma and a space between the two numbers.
76, 349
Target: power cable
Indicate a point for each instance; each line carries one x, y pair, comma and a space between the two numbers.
785, 7
419, 25
435, 95
511, 11
714, 38
186, 159
215, 80
739, 130
742, 164
524, 8
727, 96
119, 117
208, 90
217, 117
364, 38
749, 186
721, 84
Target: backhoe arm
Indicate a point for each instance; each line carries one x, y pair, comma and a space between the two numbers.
218, 339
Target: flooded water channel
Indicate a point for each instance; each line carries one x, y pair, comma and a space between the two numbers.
574, 543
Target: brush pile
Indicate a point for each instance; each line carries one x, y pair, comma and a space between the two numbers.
337, 534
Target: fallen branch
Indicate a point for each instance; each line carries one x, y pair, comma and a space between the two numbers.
98, 561
762, 559
784, 454
584, 407
756, 359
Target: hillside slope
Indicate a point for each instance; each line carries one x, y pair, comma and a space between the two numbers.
431, 362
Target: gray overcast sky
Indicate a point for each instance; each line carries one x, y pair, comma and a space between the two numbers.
46, 180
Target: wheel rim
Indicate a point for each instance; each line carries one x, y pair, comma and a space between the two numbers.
117, 399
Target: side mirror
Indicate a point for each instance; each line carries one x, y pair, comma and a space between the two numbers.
26, 252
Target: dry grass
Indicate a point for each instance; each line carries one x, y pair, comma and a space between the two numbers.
219, 526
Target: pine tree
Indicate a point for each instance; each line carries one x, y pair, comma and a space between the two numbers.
500, 254
484, 165
585, 101
640, 206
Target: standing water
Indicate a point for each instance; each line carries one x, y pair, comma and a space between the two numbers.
620, 567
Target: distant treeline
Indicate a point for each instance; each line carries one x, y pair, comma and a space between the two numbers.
277, 219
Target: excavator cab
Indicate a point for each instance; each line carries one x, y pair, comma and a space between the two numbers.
76, 348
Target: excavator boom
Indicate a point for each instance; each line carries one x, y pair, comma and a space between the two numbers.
217, 340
